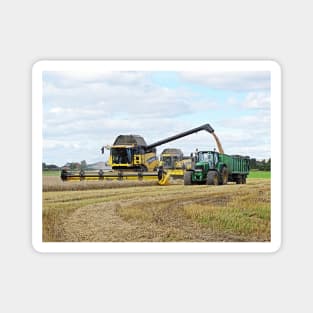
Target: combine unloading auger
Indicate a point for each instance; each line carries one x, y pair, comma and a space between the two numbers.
131, 158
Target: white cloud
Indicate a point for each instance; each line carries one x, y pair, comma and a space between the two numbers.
232, 81
59, 110
144, 100
257, 101
249, 135
52, 144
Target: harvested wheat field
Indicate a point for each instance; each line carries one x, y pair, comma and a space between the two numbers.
146, 212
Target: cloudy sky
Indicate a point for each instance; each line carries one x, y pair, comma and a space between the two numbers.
82, 111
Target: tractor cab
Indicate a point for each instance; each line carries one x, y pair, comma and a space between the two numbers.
207, 158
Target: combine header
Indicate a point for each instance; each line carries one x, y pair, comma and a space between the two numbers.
131, 158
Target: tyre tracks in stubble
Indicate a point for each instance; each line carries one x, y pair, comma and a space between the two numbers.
101, 221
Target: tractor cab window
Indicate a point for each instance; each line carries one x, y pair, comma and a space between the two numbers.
207, 157
210, 160
203, 157
215, 156
200, 157
210, 157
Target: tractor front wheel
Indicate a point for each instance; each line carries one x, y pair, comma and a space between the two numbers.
212, 178
187, 178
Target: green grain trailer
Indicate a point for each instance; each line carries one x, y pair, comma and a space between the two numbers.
213, 168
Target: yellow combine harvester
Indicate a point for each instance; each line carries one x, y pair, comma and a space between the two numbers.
173, 162
131, 158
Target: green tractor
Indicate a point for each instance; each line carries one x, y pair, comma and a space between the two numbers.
214, 168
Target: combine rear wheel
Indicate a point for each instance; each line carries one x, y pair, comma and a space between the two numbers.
187, 178
212, 178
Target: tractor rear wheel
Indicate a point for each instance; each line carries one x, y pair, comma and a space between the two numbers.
212, 178
223, 179
187, 178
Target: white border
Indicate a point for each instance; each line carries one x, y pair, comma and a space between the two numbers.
170, 65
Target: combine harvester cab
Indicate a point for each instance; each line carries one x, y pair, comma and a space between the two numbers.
130, 152
213, 168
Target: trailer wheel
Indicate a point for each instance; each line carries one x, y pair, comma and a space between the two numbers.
224, 176
244, 179
187, 178
239, 179
212, 178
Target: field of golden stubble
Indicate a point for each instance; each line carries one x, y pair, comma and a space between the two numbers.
145, 212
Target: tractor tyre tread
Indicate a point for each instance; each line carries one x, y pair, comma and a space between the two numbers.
187, 178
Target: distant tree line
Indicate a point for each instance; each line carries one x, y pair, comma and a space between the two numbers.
71, 165
263, 165
49, 167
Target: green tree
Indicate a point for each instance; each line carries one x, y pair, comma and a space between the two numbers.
267, 166
253, 163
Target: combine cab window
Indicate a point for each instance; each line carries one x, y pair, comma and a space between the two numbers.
167, 161
121, 156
